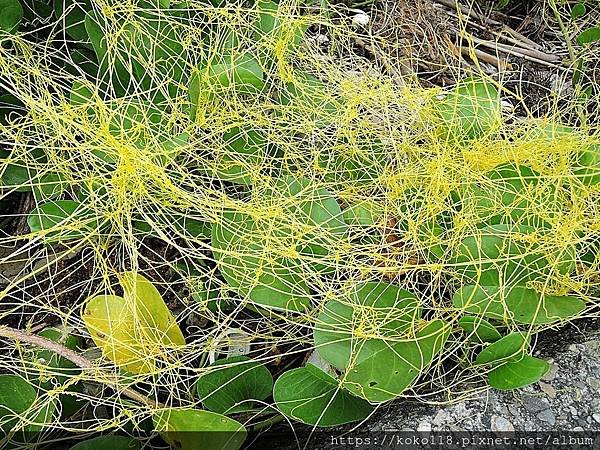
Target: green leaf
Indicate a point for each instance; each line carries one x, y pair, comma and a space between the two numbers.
589, 36
241, 72
242, 244
233, 381
16, 397
279, 33
193, 429
11, 14
245, 153
381, 310
18, 176
578, 10
471, 110
62, 220
390, 367
588, 167
510, 255
365, 213
307, 98
518, 304
479, 329
516, 374
136, 331
50, 185
510, 347
239, 249
112, 442
72, 13
311, 396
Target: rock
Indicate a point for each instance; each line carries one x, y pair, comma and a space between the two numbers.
573, 348
551, 374
501, 424
514, 410
535, 404
547, 389
547, 416
594, 383
573, 411
423, 426
578, 429
596, 417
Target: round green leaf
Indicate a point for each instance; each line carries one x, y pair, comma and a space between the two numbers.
311, 396
11, 14
381, 310
233, 381
479, 329
239, 247
193, 429
16, 397
511, 346
509, 255
267, 258
578, 10
389, 367
471, 110
518, 304
62, 220
111, 442
242, 157
516, 374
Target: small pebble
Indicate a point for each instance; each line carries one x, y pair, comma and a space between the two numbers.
547, 416
547, 389
578, 429
499, 423
424, 426
573, 411
596, 417
573, 348
551, 374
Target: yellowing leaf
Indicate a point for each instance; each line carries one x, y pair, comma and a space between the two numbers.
152, 315
135, 331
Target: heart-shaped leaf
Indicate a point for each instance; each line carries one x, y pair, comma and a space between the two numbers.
471, 110
11, 14
518, 304
112, 442
233, 381
239, 248
510, 255
519, 373
311, 396
390, 367
194, 429
355, 326
479, 329
510, 347
135, 331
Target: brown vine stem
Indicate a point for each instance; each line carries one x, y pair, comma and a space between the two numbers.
74, 357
